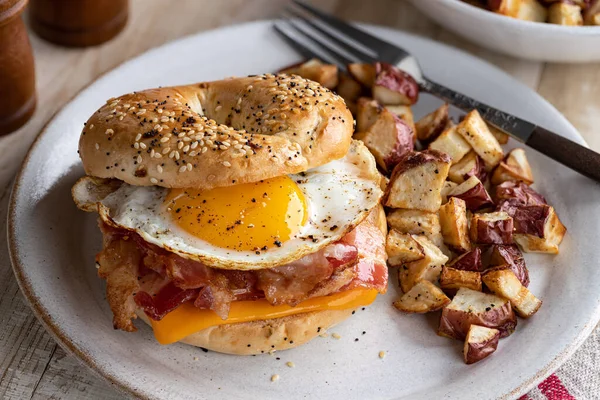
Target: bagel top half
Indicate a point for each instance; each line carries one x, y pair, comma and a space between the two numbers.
215, 134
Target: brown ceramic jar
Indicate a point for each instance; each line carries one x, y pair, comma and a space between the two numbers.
78, 23
17, 75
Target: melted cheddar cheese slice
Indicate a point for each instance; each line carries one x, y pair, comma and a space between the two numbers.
187, 319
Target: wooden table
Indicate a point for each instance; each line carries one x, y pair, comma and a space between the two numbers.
32, 365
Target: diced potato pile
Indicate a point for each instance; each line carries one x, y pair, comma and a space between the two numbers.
560, 12
459, 210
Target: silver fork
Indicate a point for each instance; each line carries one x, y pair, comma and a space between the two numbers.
321, 30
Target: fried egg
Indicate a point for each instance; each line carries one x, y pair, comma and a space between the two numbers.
254, 225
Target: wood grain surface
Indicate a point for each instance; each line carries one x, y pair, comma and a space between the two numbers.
32, 365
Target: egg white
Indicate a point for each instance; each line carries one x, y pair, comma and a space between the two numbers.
341, 193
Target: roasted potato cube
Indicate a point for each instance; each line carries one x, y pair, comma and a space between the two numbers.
446, 189
470, 307
455, 226
562, 13
389, 138
416, 222
424, 297
348, 88
500, 136
527, 10
470, 165
367, 112
417, 181
428, 268
473, 193
402, 248
538, 229
480, 343
363, 73
518, 194
476, 132
591, 16
505, 283
394, 86
451, 143
405, 113
509, 256
515, 167
452, 279
433, 124
470, 261
315, 70
492, 228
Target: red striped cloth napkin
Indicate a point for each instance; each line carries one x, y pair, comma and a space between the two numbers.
576, 379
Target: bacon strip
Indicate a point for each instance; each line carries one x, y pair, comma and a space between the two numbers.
142, 274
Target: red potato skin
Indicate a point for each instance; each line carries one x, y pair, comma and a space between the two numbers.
404, 143
509, 256
476, 198
470, 261
478, 171
496, 232
528, 219
455, 323
519, 194
397, 80
478, 351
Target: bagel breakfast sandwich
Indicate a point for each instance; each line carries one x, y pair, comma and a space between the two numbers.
237, 215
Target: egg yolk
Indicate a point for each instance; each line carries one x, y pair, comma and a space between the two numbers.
252, 216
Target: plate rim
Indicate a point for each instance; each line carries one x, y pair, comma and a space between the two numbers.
55, 330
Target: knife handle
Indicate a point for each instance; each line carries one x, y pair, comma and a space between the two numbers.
566, 152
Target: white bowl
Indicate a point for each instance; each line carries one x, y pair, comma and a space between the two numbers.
523, 39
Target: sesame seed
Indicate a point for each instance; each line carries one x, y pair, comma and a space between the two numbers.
152, 153
176, 155
166, 150
136, 145
164, 119
97, 146
227, 163
186, 148
138, 137
141, 112
192, 153
382, 354
157, 155
204, 149
159, 169
217, 108
109, 131
290, 364
336, 336
164, 140
180, 145
172, 154
142, 145
154, 180
182, 168
139, 159
189, 166
275, 378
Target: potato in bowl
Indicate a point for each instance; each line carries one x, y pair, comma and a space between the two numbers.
520, 36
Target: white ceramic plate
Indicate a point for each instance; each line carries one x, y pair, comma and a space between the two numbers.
523, 39
53, 245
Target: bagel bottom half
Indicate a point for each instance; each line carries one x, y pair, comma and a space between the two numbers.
256, 337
